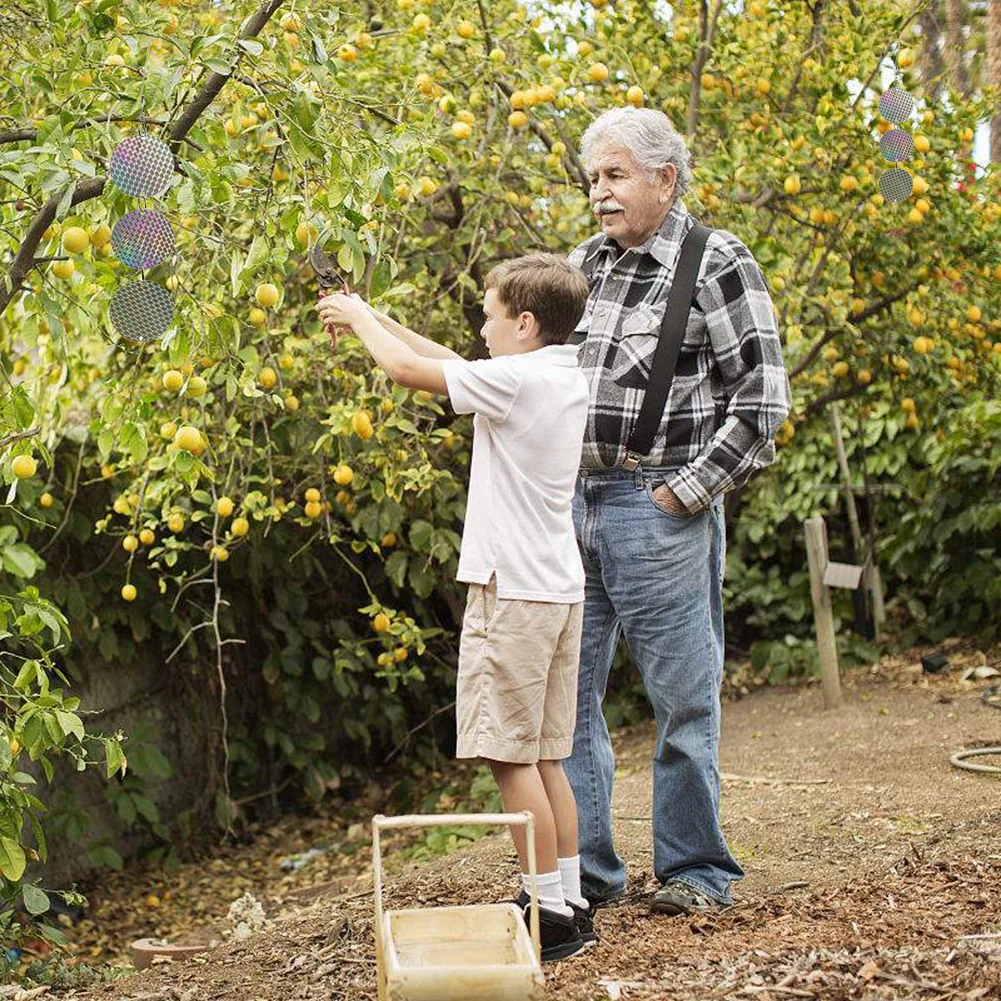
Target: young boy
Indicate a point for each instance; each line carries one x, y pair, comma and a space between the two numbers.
520, 645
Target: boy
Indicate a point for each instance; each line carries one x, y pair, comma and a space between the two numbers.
520, 645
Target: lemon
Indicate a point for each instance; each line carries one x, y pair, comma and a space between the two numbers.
839, 369
312, 495
63, 269
427, 186
635, 96
176, 522
400, 653
461, 130
130, 543
197, 386
189, 438
129, 594
268, 377
921, 144
361, 424
75, 240
517, 119
291, 403
305, 234
147, 537
314, 509
172, 380
792, 185
168, 430
224, 507
421, 22
266, 295
381, 622
597, 73
497, 55
973, 314
258, 317
220, 554
465, 29
343, 475
239, 527
46, 500
388, 540
864, 376
23, 466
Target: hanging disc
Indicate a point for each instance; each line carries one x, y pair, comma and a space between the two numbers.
142, 166
896, 105
896, 184
897, 145
141, 311
142, 239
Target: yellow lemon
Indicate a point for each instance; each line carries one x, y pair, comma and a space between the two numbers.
129, 594
635, 96
46, 500
343, 475
312, 495
517, 119
258, 317
381, 622
291, 403
921, 144
147, 537
361, 424
224, 507
314, 509
597, 73
172, 380
239, 527
220, 554
268, 377
465, 29
792, 184
266, 295
130, 543
197, 386
63, 269
973, 314
461, 130
23, 466
189, 438
75, 240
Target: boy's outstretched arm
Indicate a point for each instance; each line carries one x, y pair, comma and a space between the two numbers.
423, 346
401, 363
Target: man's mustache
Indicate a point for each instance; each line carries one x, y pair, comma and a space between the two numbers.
608, 206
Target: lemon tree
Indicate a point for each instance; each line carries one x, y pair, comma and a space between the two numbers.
294, 518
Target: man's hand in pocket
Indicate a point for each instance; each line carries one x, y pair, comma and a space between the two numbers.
668, 500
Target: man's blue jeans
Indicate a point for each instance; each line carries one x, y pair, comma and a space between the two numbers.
657, 578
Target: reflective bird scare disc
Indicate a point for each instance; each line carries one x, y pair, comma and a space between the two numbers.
896, 184
142, 166
897, 145
141, 311
896, 105
142, 239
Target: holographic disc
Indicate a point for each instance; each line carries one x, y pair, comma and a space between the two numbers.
897, 145
896, 184
896, 105
142, 166
142, 239
141, 311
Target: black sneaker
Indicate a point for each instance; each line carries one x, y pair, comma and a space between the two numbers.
677, 897
585, 924
559, 936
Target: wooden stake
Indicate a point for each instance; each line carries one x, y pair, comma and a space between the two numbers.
816, 555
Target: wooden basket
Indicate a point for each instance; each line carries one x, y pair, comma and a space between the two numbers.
478, 952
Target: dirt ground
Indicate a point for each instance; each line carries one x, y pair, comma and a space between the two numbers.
873, 870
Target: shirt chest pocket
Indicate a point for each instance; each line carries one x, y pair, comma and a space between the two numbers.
635, 346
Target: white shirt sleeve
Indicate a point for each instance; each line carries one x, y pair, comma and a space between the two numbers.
488, 387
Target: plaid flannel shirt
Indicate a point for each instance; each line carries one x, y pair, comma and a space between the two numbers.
730, 391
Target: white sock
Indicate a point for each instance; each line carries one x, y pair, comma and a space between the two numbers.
550, 886
570, 878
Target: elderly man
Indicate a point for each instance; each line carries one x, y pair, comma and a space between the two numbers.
648, 513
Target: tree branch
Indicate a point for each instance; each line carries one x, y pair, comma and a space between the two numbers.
701, 58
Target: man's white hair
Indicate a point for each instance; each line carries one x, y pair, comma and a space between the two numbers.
647, 134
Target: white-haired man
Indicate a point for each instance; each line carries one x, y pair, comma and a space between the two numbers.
650, 522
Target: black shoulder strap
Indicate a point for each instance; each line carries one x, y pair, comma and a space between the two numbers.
665, 357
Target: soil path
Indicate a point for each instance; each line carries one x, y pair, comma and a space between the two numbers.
873, 871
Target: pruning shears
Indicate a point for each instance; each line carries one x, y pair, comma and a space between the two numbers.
328, 275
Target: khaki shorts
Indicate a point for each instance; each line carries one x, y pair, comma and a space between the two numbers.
516, 693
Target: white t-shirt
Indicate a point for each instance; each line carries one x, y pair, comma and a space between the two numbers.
528, 430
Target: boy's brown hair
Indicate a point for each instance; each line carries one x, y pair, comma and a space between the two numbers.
546, 286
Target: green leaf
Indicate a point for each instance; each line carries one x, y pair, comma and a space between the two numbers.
36, 901
12, 860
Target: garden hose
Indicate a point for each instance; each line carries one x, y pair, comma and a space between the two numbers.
990, 696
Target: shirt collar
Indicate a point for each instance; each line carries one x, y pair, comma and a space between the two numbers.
663, 246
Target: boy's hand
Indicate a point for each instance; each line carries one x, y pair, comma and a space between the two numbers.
341, 309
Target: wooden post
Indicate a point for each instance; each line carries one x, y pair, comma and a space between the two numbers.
816, 555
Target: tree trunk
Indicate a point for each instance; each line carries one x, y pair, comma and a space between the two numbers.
955, 46
932, 67
994, 71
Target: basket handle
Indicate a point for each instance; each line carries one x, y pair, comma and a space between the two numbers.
525, 818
